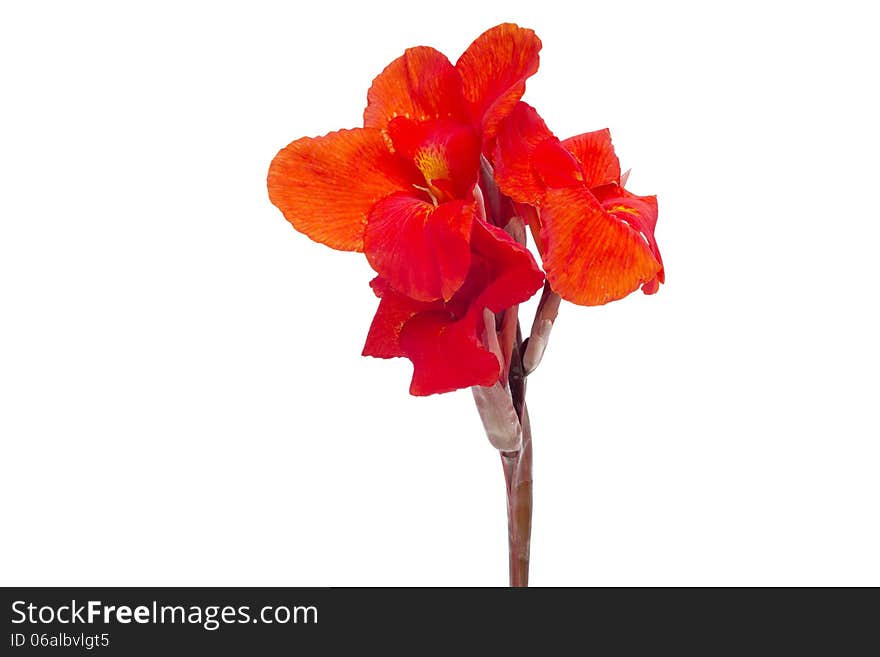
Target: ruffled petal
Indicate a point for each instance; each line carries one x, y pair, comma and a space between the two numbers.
444, 340
327, 186
395, 310
518, 137
595, 154
449, 354
422, 250
421, 84
494, 70
446, 355
592, 256
511, 274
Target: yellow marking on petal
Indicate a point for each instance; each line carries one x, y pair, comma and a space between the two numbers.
431, 161
624, 209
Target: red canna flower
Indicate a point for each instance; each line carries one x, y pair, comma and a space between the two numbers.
408, 190
596, 239
446, 341
401, 189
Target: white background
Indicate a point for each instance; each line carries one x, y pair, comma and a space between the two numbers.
183, 396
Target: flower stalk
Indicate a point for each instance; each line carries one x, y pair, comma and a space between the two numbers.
517, 468
518, 480
502, 407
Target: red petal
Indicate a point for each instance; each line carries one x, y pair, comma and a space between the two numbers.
595, 153
556, 166
444, 340
592, 256
512, 273
518, 137
449, 354
395, 310
421, 84
494, 70
446, 355
422, 250
326, 186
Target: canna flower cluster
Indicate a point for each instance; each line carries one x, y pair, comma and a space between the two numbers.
448, 164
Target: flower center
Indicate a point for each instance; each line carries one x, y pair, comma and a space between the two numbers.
445, 155
432, 163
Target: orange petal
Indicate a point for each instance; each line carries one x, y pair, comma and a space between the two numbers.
640, 212
327, 186
591, 256
494, 70
421, 250
595, 153
518, 137
421, 84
